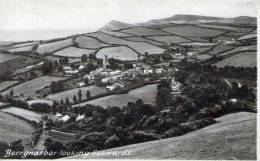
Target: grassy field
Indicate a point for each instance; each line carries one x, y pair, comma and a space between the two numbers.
73, 52
26, 114
6, 84
6, 57
220, 49
119, 52
198, 44
169, 39
143, 31
141, 39
29, 88
53, 46
193, 31
228, 28
246, 59
27, 49
45, 101
94, 90
122, 99
89, 42
17, 63
239, 49
117, 34
13, 128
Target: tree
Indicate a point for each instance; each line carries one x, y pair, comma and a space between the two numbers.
3, 147
47, 68
75, 99
86, 82
61, 102
88, 94
16, 146
84, 58
12, 92
80, 94
164, 97
67, 101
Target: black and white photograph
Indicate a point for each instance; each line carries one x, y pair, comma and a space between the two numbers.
128, 79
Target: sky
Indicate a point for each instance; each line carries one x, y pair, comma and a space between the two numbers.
43, 19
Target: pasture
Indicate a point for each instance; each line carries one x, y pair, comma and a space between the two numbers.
147, 93
23, 49
29, 88
141, 39
89, 42
119, 52
94, 90
143, 31
239, 49
73, 52
53, 46
6, 84
169, 39
6, 57
245, 59
26, 114
193, 31
13, 128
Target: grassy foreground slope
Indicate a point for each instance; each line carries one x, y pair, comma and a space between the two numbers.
233, 137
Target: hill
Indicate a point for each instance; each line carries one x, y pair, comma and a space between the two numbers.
115, 25
233, 137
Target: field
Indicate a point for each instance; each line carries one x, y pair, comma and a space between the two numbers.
122, 99
143, 31
140, 47
27, 49
239, 49
246, 59
17, 63
57, 58
119, 52
94, 90
203, 56
117, 34
53, 46
228, 28
193, 31
140, 39
169, 39
29, 88
6, 84
73, 52
233, 137
13, 128
26, 114
89, 42
6, 57
220, 49
198, 44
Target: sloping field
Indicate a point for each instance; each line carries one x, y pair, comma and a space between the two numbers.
140, 47
119, 52
247, 36
220, 49
89, 42
228, 28
203, 56
121, 100
29, 88
44, 101
13, 128
198, 44
169, 39
54, 46
142, 93
17, 63
232, 138
6, 57
26, 114
73, 52
193, 31
140, 39
143, 31
94, 90
239, 49
6, 84
115, 25
117, 34
246, 59
27, 49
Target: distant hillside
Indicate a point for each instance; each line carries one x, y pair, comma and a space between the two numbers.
233, 138
115, 25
